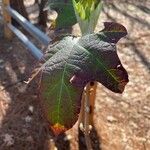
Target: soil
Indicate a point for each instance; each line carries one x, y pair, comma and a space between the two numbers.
121, 122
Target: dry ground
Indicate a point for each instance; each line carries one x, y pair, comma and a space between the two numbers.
122, 122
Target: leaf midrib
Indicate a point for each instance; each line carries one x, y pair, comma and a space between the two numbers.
101, 64
60, 93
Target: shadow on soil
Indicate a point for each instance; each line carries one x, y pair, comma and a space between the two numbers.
133, 43
95, 140
27, 127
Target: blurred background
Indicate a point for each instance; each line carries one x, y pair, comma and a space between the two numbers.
122, 122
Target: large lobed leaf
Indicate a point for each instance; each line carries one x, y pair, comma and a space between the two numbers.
74, 62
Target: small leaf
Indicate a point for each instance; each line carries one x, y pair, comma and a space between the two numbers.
87, 12
66, 14
76, 62
84, 8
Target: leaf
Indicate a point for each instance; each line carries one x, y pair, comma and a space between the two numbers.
66, 14
87, 13
84, 8
61, 100
93, 57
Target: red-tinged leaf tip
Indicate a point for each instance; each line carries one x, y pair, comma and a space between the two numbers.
121, 86
121, 77
114, 31
114, 27
58, 129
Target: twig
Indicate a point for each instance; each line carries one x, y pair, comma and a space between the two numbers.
34, 74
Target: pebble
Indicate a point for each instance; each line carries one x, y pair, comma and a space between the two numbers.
111, 119
30, 139
68, 137
8, 139
133, 124
125, 105
31, 109
28, 119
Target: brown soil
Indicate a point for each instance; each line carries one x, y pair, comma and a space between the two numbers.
122, 122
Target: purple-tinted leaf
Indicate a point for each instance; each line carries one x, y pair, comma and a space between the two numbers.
75, 63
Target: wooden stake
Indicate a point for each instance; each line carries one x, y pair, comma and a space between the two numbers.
7, 20
90, 91
87, 112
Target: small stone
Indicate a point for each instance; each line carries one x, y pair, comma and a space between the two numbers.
68, 137
31, 108
8, 140
28, 119
90, 127
81, 127
51, 140
29, 139
111, 119
133, 124
125, 105
147, 108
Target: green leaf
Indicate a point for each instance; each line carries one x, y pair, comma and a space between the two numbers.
66, 14
61, 99
85, 8
87, 13
76, 62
